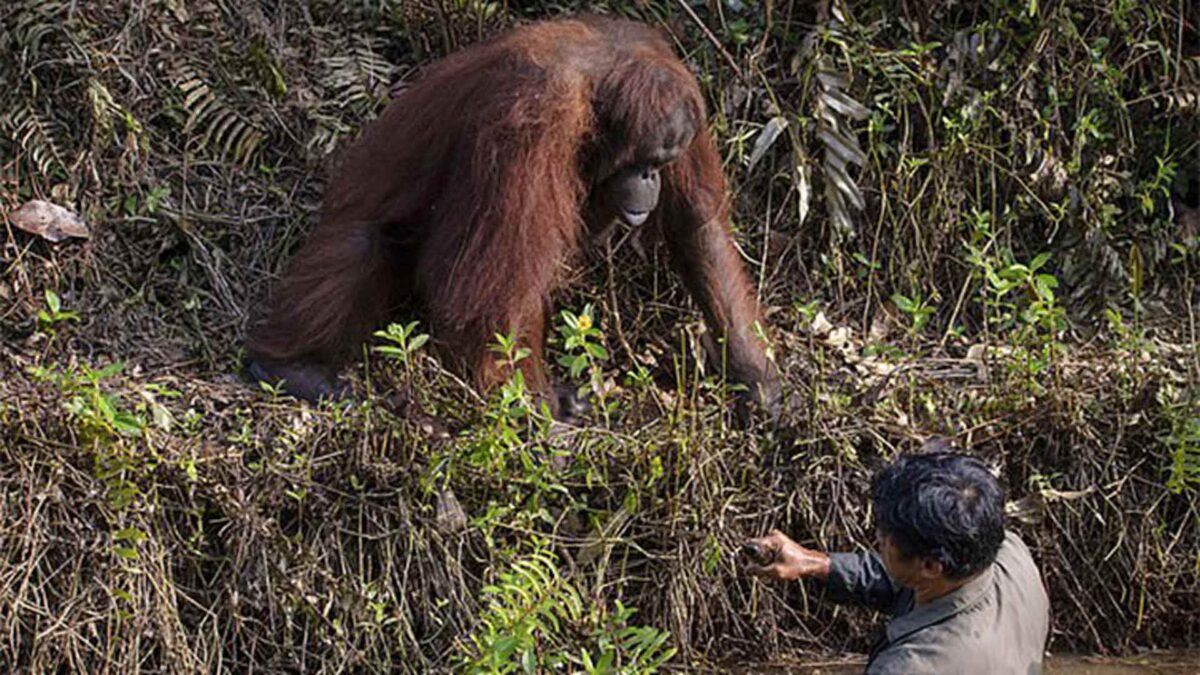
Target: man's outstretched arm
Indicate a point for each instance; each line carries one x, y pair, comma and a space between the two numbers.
849, 577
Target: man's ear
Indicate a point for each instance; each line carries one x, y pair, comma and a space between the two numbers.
931, 568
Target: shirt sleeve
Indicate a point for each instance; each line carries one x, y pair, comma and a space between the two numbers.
861, 578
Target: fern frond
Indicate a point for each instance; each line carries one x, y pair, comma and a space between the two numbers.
835, 110
1185, 95
358, 79
38, 136
216, 127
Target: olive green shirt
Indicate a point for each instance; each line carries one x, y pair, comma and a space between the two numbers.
995, 624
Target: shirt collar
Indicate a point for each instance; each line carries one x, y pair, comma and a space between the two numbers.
954, 602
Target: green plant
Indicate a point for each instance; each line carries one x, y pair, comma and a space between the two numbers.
1184, 442
103, 427
509, 449
47, 320
404, 342
536, 621
1019, 298
97, 413
581, 341
584, 351
506, 346
918, 309
1157, 186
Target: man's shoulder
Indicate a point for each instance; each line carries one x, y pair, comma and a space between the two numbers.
1016, 565
1014, 547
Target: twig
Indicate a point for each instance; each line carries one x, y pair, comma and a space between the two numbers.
716, 43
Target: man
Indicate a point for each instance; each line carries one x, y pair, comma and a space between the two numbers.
964, 594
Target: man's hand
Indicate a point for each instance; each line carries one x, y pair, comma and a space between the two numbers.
787, 560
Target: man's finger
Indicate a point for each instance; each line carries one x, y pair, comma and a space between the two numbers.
772, 540
771, 570
762, 551
765, 542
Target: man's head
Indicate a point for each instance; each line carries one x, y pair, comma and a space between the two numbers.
938, 516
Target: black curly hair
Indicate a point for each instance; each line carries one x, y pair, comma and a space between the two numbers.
944, 506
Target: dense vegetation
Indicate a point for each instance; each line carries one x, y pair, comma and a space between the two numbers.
970, 219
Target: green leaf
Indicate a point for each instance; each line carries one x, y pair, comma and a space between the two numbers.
1136, 270
126, 423
578, 364
110, 370
131, 534
156, 195
417, 342
630, 503
125, 552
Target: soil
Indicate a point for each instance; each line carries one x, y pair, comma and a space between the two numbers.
1155, 663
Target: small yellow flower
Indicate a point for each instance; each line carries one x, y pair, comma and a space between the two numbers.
584, 323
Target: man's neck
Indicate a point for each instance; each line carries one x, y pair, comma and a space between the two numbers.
936, 588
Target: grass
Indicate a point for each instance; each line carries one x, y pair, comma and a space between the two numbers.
964, 222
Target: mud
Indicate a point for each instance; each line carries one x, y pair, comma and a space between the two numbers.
1159, 663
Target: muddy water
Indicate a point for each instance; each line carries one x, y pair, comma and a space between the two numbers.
1186, 663
1164, 663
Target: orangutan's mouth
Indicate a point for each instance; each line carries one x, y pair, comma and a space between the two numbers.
635, 218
